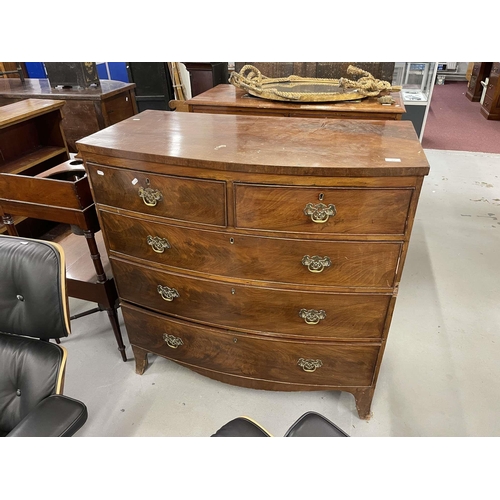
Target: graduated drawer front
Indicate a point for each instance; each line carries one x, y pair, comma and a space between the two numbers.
362, 264
295, 209
250, 308
184, 199
251, 357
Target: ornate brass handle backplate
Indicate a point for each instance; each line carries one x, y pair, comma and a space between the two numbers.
150, 196
172, 341
167, 293
312, 316
316, 264
319, 212
310, 365
157, 244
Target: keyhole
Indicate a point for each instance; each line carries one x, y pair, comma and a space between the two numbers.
321, 196
231, 240
147, 182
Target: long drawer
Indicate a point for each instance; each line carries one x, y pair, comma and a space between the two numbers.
179, 198
310, 262
257, 309
322, 209
312, 363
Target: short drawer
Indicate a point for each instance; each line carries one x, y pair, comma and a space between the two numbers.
256, 309
178, 198
308, 262
322, 210
313, 363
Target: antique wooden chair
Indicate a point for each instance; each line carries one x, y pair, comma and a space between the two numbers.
62, 194
34, 309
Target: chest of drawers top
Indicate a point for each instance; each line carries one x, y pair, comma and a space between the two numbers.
268, 145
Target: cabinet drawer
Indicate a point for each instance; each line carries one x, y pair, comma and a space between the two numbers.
488, 103
257, 309
313, 363
178, 198
322, 210
324, 263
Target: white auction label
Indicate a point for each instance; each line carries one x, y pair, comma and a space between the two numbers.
393, 159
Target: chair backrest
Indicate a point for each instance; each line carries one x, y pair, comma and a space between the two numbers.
33, 299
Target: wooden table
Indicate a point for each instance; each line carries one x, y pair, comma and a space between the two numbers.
227, 99
86, 110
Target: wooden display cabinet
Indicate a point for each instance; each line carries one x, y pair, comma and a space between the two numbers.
480, 72
40, 179
490, 107
31, 141
86, 111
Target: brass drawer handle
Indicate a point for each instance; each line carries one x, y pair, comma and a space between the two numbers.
157, 244
310, 365
168, 294
319, 212
312, 316
316, 264
172, 341
150, 196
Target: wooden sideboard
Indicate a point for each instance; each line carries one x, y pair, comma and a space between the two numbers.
490, 108
31, 141
227, 99
87, 110
259, 251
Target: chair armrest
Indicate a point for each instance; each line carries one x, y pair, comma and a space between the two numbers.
55, 416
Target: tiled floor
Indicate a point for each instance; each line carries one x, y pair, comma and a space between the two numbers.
441, 369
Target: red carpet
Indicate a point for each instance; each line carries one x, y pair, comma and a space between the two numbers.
456, 124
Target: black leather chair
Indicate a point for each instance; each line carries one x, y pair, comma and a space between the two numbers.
34, 309
310, 424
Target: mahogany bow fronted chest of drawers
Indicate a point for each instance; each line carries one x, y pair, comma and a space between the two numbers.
264, 252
